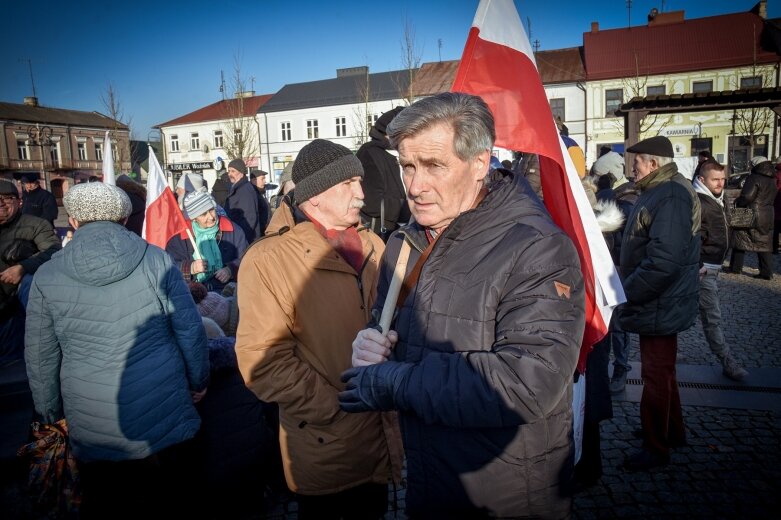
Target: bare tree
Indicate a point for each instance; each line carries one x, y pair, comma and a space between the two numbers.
753, 123
240, 138
410, 62
116, 112
637, 86
362, 118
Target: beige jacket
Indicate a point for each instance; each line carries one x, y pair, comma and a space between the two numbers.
301, 307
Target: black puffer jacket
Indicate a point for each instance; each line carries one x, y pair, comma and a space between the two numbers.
490, 338
382, 185
758, 193
660, 255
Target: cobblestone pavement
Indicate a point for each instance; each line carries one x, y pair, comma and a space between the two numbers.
732, 465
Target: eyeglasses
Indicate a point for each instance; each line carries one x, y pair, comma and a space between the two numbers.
8, 199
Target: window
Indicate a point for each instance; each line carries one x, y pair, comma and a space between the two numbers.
312, 132
341, 127
751, 82
702, 86
99, 151
174, 143
195, 141
21, 149
54, 153
82, 151
613, 99
237, 135
557, 107
218, 139
656, 90
284, 131
371, 119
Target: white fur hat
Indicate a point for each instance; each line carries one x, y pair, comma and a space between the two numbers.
94, 201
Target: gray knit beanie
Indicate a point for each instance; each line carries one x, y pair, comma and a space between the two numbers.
322, 164
95, 201
197, 203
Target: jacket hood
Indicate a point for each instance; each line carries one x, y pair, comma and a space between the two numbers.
765, 168
102, 253
699, 187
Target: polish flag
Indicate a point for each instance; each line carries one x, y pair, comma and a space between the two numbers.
498, 65
108, 161
163, 218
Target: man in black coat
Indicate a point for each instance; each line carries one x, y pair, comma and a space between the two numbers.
714, 232
660, 256
245, 206
37, 201
382, 186
487, 339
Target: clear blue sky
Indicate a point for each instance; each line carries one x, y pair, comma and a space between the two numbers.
164, 58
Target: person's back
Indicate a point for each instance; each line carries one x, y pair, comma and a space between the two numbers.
385, 197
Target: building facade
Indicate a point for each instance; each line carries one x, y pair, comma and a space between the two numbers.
64, 146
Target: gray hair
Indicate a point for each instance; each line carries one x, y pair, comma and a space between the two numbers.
469, 116
661, 161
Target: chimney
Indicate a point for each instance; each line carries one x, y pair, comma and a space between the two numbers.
352, 71
245, 94
595, 27
669, 17
31, 101
760, 9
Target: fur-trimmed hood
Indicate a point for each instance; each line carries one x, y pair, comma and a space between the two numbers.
609, 217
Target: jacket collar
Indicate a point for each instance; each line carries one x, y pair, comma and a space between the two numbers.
665, 173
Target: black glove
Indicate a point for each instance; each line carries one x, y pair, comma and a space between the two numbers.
372, 387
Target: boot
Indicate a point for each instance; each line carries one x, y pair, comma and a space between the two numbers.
618, 381
731, 369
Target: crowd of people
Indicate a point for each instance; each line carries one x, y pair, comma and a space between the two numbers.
413, 301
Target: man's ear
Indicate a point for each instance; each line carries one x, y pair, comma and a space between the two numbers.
480, 164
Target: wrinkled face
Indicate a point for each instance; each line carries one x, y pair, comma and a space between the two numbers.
9, 205
234, 175
714, 180
440, 185
339, 206
207, 220
643, 167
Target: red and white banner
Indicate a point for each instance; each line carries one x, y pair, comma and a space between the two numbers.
163, 217
498, 65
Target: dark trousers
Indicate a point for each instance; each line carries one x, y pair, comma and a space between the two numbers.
166, 484
765, 262
776, 232
364, 502
660, 405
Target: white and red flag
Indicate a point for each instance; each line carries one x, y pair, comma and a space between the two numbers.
498, 65
163, 217
108, 161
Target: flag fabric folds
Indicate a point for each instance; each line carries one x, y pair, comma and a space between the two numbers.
498, 65
163, 217
108, 161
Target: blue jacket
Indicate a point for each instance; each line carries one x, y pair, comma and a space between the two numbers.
114, 344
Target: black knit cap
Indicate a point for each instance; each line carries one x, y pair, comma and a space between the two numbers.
658, 145
239, 165
384, 120
322, 164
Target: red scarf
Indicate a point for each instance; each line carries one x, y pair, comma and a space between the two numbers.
347, 243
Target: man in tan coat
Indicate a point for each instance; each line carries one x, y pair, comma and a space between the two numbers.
304, 293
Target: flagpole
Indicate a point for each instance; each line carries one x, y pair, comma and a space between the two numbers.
195, 246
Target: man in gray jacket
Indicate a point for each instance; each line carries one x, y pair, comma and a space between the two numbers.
114, 346
660, 257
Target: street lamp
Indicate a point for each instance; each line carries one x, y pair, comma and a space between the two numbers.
42, 137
